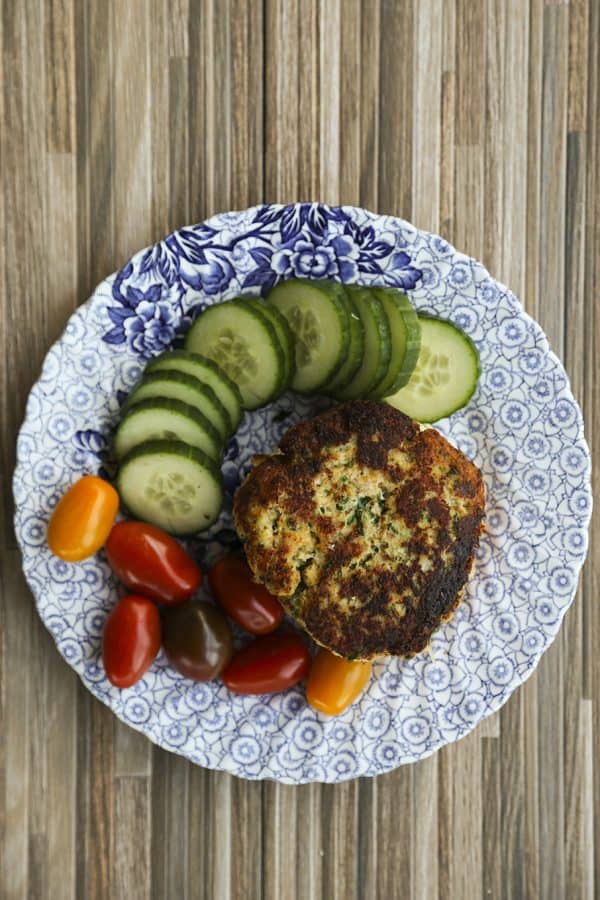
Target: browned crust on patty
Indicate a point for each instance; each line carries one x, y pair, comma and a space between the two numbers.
365, 526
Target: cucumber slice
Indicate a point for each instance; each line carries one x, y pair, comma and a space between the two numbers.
406, 341
445, 376
208, 372
319, 321
242, 340
160, 419
377, 347
356, 346
285, 335
174, 385
172, 485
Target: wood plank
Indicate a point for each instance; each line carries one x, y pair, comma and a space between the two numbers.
246, 843
95, 803
179, 146
220, 822
578, 63
447, 155
309, 103
368, 800
587, 798
198, 122
512, 224
395, 109
59, 58
426, 115
17, 621
591, 688
339, 809
172, 808
281, 122
527, 878
445, 824
449, 36
494, 144
552, 273
61, 779
370, 33
131, 146
198, 849
96, 133
466, 865
425, 831
216, 50
468, 200
572, 629
534, 145
394, 845
513, 841
309, 868
329, 96
350, 104
490, 726
178, 28
280, 822
470, 64
132, 857
159, 86
493, 876
247, 102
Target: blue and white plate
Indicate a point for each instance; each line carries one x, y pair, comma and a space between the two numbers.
522, 428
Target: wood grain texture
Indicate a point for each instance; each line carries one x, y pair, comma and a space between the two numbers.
479, 119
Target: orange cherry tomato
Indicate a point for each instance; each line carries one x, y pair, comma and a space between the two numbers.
82, 521
334, 683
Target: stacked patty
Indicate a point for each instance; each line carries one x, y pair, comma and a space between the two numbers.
365, 526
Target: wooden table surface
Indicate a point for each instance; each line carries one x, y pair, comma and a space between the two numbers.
120, 121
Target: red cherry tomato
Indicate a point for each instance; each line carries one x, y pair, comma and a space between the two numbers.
131, 640
148, 560
248, 603
271, 663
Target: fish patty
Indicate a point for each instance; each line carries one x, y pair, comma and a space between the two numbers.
365, 526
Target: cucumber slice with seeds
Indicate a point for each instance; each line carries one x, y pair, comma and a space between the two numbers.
377, 346
172, 485
405, 332
356, 346
445, 376
318, 319
174, 385
242, 340
285, 335
161, 419
208, 372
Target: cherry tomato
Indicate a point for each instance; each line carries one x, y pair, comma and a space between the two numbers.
131, 640
148, 560
271, 663
334, 683
83, 518
197, 640
248, 603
